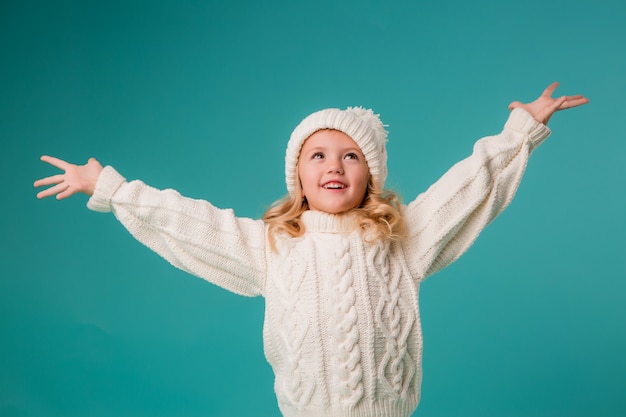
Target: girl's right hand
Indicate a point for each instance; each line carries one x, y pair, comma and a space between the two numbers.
545, 106
75, 179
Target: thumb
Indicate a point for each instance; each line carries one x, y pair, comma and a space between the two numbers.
515, 104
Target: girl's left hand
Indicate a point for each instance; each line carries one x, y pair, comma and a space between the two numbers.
545, 106
75, 179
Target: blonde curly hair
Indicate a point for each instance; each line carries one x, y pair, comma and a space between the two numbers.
379, 215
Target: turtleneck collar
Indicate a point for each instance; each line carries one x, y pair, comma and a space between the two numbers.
322, 222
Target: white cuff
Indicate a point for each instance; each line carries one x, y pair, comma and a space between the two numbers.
523, 122
108, 183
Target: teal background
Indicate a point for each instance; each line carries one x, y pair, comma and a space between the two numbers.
201, 97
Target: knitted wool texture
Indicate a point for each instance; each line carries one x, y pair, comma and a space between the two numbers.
341, 328
362, 125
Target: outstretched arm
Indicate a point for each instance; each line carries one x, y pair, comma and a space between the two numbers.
445, 220
545, 106
75, 178
191, 234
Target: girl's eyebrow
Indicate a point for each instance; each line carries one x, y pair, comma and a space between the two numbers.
342, 150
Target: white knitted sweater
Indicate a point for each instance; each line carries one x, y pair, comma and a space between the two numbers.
342, 329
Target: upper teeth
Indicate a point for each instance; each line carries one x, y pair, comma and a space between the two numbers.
334, 185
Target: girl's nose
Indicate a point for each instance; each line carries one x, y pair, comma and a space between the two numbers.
335, 167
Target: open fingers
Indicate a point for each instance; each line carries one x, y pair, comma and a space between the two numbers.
59, 163
57, 189
69, 191
550, 89
54, 179
558, 102
574, 101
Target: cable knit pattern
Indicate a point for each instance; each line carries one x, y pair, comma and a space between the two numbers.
396, 367
348, 372
298, 388
342, 330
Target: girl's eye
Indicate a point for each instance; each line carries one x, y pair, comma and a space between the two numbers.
317, 155
352, 155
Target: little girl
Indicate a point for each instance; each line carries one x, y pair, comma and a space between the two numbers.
339, 260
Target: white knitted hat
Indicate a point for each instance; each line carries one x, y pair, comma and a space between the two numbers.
362, 125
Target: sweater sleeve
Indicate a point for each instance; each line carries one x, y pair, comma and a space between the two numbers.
445, 220
192, 235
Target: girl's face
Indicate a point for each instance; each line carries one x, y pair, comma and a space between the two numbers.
333, 172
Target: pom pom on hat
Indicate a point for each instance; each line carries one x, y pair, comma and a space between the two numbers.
362, 125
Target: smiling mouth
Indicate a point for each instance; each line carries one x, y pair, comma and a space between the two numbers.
334, 186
